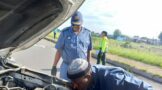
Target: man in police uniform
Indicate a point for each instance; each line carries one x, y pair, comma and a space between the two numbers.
99, 77
74, 42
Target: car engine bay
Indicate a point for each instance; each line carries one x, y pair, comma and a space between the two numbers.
17, 78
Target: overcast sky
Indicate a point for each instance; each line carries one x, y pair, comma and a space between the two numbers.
131, 17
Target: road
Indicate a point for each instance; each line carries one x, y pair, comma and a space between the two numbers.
40, 57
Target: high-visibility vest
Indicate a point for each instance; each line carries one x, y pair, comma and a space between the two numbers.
104, 44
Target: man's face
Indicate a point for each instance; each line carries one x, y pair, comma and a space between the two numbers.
81, 83
102, 35
76, 28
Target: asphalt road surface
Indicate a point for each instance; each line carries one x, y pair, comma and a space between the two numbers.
40, 57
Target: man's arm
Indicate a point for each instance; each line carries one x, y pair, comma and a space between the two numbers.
59, 46
57, 58
89, 56
127, 80
89, 48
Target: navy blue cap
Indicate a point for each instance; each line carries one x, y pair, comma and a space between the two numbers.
77, 19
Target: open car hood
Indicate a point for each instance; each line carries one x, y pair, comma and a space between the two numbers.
25, 22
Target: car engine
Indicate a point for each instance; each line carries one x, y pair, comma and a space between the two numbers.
17, 78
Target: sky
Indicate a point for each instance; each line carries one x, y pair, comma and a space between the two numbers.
132, 17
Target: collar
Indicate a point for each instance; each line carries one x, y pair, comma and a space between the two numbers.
71, 30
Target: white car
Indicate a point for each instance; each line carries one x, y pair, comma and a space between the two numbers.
22, 24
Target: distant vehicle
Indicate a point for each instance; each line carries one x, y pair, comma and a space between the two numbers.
22, 24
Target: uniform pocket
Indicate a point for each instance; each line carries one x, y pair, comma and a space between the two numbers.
68, 43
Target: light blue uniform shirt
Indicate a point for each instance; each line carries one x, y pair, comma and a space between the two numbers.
74, 46
114, 78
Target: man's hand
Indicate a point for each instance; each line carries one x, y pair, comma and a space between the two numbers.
101, 53
56, 60
54, 71
74, 86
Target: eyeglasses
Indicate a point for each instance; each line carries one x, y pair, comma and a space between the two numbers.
75, 25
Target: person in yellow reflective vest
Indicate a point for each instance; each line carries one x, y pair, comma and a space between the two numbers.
103, 46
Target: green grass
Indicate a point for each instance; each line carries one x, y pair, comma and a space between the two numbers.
155, 75
131, 53
148, 58
51, 35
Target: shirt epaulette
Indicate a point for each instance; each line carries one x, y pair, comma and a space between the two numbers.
65, 29
86, 29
